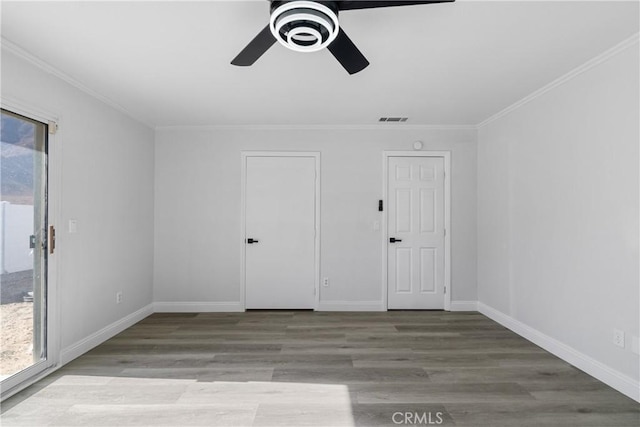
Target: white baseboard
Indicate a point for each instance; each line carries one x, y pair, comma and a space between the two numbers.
86, 344
197, 307
350, 306
378, 306
464, 305
619, 381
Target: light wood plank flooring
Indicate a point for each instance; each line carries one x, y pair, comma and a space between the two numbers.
298, 368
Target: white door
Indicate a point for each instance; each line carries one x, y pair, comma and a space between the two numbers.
280, 232
415, 233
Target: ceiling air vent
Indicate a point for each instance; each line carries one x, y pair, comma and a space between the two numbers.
393, 119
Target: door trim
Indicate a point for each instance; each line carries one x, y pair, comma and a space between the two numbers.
446, 156
243, 216
35, 372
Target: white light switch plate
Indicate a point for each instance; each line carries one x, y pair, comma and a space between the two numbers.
73, 226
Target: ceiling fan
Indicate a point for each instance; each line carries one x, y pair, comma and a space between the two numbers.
310, 25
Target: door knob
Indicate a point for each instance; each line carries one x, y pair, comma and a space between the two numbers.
393, 240
251, 241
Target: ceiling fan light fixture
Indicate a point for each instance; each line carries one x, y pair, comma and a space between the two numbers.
304, 26
308, 38
312, 25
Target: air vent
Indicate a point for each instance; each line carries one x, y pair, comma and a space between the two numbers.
393, 119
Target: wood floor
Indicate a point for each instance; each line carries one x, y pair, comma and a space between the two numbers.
278, 368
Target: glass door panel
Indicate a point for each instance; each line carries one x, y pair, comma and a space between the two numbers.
23, 243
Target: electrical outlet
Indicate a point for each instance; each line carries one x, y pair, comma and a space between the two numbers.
618, 337
325, 282
118, 297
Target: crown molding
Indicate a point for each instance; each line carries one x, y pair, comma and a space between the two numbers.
50, 69
620, 47
604, 56
395, 127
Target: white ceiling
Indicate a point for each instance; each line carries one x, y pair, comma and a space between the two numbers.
449, 64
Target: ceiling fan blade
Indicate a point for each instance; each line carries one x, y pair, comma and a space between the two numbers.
254, 50
343, 49
364, 4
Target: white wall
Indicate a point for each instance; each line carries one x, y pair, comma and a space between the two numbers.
106, 162
197, 205
558, 212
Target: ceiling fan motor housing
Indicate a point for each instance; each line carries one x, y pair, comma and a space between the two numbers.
304, 26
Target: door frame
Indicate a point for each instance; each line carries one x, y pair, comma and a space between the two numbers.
446, 156
243, 217
35, 372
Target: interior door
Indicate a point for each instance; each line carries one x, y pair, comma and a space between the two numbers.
280, 249
415, 233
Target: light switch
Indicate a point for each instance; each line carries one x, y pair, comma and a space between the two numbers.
73, 226
376, 225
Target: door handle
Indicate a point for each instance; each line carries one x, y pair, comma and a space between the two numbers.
252, 241
393, 240
52, 239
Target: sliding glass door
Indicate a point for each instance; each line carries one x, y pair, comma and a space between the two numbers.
24, 247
